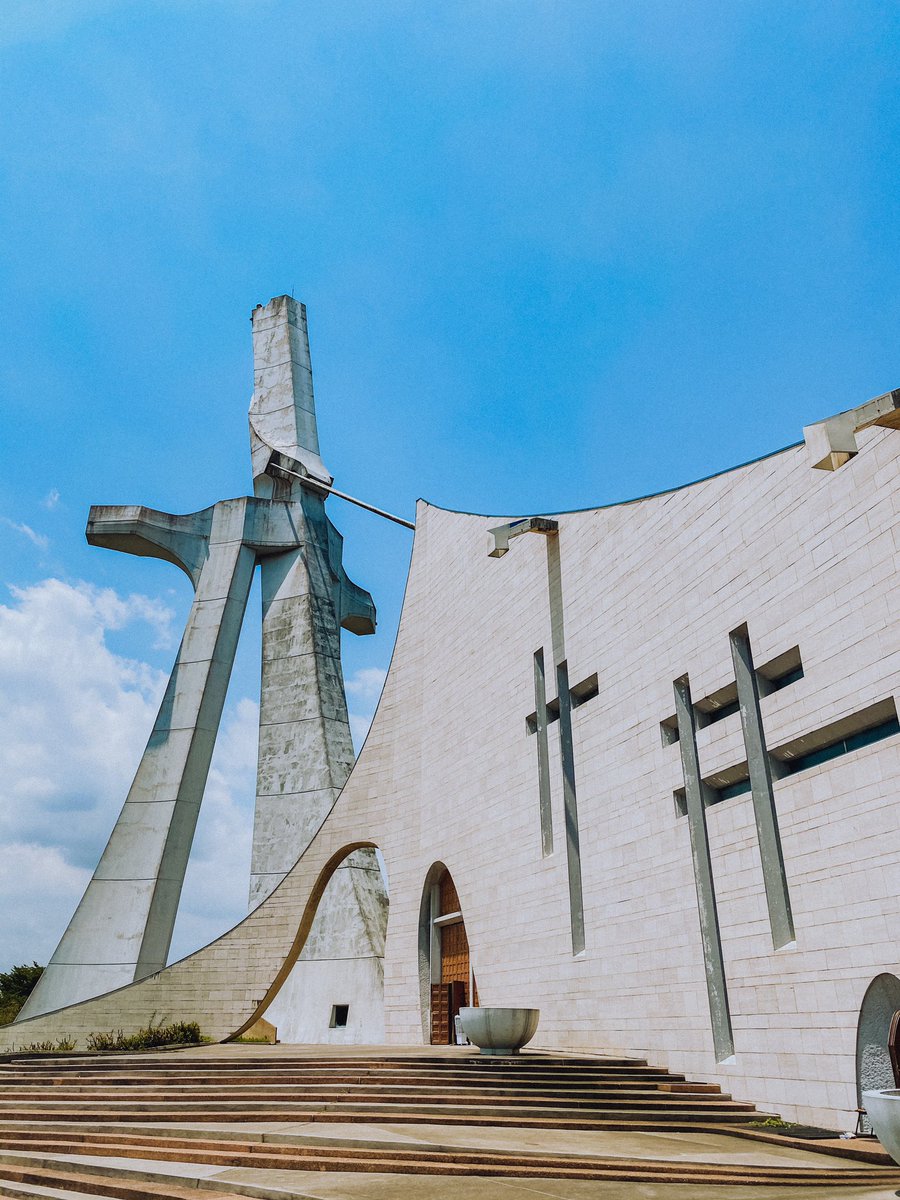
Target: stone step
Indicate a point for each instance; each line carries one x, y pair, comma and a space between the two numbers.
681, 1120
133, 1071
29, 1088
216, 1151
63, 1181
16, 1190
270, 1103
65, 1093
262, 1102
143, 1182
173, 1060
125, 1127
142, 1063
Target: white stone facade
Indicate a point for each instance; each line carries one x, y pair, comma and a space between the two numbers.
646, 593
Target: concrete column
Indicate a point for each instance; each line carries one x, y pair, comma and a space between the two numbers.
122, 928
305, 748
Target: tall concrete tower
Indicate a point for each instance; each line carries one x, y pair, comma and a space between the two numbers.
122, 929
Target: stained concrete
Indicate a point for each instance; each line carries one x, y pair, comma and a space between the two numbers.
305, 748
122, 928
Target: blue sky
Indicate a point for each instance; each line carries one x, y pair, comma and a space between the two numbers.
554, 255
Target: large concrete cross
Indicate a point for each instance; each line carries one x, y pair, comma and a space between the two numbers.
122, 929
538, 722
567, 698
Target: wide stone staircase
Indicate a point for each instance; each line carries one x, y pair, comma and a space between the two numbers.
140, 1126
550, 1092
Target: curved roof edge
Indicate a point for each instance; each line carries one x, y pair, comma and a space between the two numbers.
462, 512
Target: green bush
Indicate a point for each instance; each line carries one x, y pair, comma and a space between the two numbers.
65, 1043
179, 1033
16, 985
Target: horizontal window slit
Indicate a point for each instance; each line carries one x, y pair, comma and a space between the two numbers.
719, 714
780, 672
724, 786
716, 706
584, 691
668, 730
838, 747
733, 789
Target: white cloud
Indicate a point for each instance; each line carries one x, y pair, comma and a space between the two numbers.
39, 539
74, 720
363, 690
366, 683
156, 614
74, 717
38, 888
51, 500
218, 876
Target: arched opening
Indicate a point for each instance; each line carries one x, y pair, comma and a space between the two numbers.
445, 969
330, 986
873, 1063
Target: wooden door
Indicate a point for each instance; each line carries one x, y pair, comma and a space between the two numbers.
452, 993
454, 954
440, 1014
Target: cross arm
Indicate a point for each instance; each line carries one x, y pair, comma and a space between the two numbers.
182, 539
503, 534
278, 526
832, 443
355, 606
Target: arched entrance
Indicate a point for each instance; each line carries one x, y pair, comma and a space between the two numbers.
447, 974
873, 1063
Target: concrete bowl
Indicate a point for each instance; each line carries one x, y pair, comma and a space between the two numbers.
883, 1110
499, 1030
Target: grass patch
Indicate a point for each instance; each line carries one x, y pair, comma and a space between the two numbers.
61, 1046
179, 1033
791, 1129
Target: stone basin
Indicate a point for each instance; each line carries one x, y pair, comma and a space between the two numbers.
499, 1030
883, 1110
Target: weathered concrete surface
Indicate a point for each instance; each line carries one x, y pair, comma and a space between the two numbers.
122, 928
305, 749
283, 409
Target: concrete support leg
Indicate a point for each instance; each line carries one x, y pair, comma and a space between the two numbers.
122, 928
306, 754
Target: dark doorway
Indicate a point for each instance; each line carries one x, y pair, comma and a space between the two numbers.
452, 983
